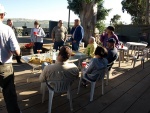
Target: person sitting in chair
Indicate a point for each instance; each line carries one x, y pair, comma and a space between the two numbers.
61, 69
90, 49
97, 63
112, 50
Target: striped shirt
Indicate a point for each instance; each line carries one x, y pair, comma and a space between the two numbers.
8, 43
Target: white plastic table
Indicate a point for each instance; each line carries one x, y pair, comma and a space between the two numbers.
77, 57
121, 53
136, 44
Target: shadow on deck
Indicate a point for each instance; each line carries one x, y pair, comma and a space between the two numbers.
128, 92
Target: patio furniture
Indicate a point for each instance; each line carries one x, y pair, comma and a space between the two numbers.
37, 67
101, 73
122, 51
142, 59
59, 87
136, 46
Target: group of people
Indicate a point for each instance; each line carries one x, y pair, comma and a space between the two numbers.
59, 35
102, 55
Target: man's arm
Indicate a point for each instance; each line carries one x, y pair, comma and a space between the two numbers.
14, 46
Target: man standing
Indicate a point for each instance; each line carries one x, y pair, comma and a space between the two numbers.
77, 35
59, 35
8, 47
10, 23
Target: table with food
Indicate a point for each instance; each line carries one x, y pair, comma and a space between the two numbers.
36, 60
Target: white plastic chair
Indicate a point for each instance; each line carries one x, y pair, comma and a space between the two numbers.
142, 59
59, 87
101, 74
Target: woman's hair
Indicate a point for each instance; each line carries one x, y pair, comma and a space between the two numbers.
64, 53
36, 23
111, 28
101, 51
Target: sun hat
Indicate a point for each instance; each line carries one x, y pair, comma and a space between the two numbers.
2, 10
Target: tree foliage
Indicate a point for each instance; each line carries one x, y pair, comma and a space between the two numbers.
137, 10
76, 7
115, 19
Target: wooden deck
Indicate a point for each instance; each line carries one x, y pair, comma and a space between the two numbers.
128, 92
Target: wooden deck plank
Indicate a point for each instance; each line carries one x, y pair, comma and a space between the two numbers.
79, 106
142, 105
104, 101
79, 101
126, 100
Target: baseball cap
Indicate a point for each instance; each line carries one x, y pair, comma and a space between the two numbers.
2, 10
111, 40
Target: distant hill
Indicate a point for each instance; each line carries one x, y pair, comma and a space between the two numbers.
19, 22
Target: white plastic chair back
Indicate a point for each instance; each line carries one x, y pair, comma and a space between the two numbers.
101, 76
101, 73
59, 86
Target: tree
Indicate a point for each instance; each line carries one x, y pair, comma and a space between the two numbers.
115, 19
90, 12
137, 10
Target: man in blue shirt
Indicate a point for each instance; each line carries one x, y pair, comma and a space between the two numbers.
77, 35
8, 47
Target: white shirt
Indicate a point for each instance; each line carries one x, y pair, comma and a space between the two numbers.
8, 43
40, 32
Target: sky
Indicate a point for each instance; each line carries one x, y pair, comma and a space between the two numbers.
54, 9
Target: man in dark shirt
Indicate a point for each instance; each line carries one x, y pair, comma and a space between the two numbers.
112, 50
77, 35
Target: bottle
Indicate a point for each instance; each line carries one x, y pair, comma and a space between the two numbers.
88, 51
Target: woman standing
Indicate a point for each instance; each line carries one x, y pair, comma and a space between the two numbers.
109, 34
37, 35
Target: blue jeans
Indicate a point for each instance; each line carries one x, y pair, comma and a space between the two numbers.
37, 46
75, 46
57, 45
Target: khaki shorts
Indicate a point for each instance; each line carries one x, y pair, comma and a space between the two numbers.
6, 70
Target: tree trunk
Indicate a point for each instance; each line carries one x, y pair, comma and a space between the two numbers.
88, 18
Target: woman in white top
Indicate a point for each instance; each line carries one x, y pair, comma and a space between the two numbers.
37, 35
